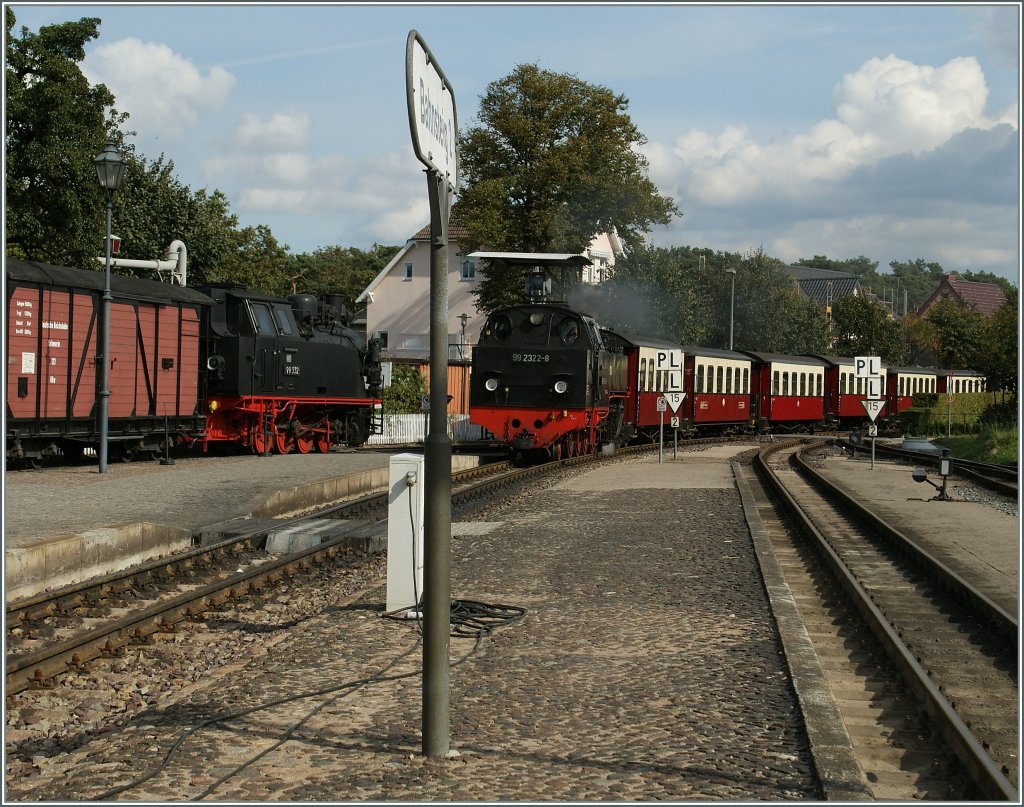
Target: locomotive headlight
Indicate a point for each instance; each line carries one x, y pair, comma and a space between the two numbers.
491, 384
561, 387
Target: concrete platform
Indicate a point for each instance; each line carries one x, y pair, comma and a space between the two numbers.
65, 525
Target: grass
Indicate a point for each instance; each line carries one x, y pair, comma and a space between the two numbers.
991, 444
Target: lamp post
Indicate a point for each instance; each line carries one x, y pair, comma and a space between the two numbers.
732, 303
109, 172
463, 318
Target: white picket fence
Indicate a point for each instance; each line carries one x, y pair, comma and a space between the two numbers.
408, 429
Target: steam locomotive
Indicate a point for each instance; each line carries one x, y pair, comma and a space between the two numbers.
202, 366
549, 381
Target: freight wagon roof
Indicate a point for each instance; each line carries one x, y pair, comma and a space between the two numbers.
785, 359
66, 277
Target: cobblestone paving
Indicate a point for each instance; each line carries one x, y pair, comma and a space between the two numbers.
647, 668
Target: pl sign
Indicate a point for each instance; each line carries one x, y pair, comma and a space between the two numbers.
432, 118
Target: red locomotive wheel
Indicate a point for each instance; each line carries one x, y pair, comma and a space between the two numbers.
304, 444
283, 443
259, 442
323, 443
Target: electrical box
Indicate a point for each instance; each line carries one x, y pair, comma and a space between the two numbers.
405, 531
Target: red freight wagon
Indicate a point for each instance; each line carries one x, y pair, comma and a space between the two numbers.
53, 381
788, 391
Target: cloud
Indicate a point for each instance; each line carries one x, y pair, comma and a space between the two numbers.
888, 107
164, 93
910, 165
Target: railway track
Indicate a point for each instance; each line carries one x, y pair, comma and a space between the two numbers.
65, 629
922, 665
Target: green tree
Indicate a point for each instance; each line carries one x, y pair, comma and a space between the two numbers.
861, 327
921, 341
339, 270
56, 124
961, 332
999, 354
552, 162
405, 393
919, 278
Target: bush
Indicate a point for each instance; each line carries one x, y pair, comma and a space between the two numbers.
931, 414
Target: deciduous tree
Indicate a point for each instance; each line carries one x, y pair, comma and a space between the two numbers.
551, 162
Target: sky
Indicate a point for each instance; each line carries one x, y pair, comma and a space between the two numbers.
885, 131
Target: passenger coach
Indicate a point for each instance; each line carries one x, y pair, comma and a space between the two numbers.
718, 391
788, 392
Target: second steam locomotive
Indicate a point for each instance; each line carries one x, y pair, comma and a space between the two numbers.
204, 366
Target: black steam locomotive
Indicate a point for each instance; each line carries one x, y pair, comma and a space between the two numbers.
217, 364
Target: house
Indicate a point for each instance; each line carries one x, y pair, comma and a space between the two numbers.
985, 298
824, 286
397, 303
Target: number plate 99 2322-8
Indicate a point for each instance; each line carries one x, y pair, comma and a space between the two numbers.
531, 357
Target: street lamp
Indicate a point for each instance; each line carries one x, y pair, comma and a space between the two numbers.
732, 303
109, 172
463, 318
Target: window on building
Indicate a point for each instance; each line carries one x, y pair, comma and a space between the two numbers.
408, 271
468, 268
383, 336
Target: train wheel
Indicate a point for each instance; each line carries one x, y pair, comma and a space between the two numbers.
259, 442
283, 443
556, 451
304, 444
322, 443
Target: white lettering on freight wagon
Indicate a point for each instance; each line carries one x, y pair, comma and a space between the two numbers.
56, 326
28, 363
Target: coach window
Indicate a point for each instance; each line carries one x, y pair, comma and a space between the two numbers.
775, 383
820, 383
698, 385
746, 379
719, 379
785, 382
650, 376
643, 375
728, 379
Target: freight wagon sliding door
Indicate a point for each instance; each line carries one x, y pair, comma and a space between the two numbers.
159, 353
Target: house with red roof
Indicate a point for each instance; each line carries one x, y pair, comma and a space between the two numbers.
985, 298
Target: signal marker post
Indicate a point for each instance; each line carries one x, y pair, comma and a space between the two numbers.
870, 369
434, 127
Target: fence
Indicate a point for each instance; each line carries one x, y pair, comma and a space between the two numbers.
405, 429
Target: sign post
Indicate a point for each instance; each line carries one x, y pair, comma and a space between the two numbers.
870, 369
662, 406
434, 127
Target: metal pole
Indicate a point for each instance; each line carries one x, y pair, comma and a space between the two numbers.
661, 436
732, 304
437, 511
104, 359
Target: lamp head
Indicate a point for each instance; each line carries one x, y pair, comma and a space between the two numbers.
109, 168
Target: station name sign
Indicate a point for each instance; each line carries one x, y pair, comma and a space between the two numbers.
432, 117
